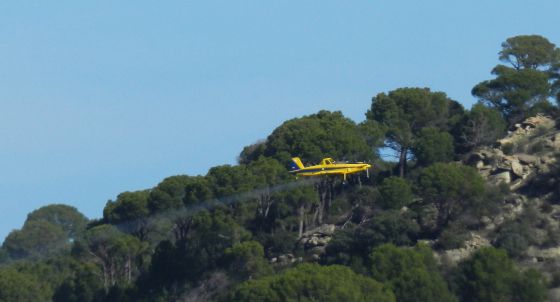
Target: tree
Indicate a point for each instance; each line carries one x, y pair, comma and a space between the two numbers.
4, 257
452, 188
532, 51
246, 260
405, 112
353, 246
116, 254
227, 181
67, 217
411, 273
16, 286
129, 213
168, 194
490, 275
395, 193
36, 238
45, 231
305, 200
531, 286
483, 126
432, 146
267, 173
526, 84
128, 206
82, 285
197, 190
514, 92
313, 137
200, 249
555, 76
311, 282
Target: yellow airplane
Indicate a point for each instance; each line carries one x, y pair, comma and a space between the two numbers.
328, 167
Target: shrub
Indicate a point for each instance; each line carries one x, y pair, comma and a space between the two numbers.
433, 146
395, 193
410, 273
490, 275
452, 188
508, 148
312, 282
453, 237
513, 243
537, 147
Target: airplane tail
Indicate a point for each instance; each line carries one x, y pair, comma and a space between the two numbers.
297, 164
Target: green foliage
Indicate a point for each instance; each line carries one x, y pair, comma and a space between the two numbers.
530, 286
513, 243
267, 172
4, 257
515, 236
405, 112
199, 250
490, 275
311, 282
168, 194
128, 206
67, 217
313, 137
555, 280
118, 256
129, 213
16, 286
515, 90
482, 126
197, 189
395, 193
410, 273
432, 146
452, 188
83, 285
246, 260
531, 51
229, 180
36, 238
453, 236
280, 242
49, 272
45, 231
166, 243
352, 246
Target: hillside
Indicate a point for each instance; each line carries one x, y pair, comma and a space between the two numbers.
469, 211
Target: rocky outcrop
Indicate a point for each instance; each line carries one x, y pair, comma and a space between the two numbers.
315, 241
285, 260
470, 246
530, 148
543, 254
526, 128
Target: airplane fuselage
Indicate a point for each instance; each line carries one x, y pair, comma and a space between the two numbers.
329, 167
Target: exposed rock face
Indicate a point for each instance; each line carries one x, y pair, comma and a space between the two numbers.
543, 254
315, 241
527, 128
531, 146
527, 151
472, 245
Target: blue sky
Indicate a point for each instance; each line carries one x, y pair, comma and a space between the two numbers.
101, 97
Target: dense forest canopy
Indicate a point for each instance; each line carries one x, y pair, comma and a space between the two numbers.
251, 232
